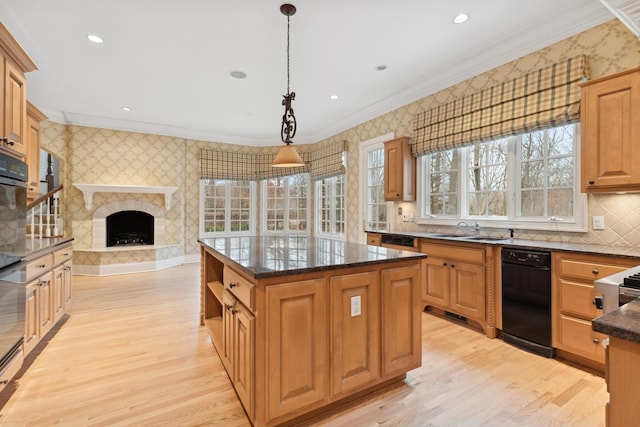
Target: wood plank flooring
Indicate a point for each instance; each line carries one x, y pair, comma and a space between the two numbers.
132, 353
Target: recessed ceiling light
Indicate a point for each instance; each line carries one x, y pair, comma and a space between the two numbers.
460, 18
126, 108
334, 97
381, 67
95, 38
237, 74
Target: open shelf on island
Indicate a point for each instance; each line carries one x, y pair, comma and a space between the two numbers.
216, 287
214, 326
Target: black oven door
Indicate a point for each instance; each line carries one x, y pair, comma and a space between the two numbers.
12, 311
13, 222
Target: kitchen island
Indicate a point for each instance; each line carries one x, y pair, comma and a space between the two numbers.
303, 323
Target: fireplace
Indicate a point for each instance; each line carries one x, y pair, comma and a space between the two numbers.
129, 228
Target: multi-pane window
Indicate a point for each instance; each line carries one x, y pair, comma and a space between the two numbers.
375, 205
547, 173
227, 207
330, 213
528, 178
487, 178
286, 204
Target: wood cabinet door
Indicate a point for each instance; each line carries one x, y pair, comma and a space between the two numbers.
45, 303
576, 336
15, 107
243, 353
468, 290
57, 292
33, 157
32, 325
393, 188
296, 340
610, 132
355, 331
226, 355
436, 282
401, 321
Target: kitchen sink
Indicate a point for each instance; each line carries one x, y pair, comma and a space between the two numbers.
486, 238
462, 236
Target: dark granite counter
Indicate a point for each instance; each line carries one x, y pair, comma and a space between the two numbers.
619, 251
273, 256
623, 322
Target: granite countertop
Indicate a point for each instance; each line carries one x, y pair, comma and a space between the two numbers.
623, 322
620, 251
273, 256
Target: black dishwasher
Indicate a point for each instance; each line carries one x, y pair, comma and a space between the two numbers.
526, 300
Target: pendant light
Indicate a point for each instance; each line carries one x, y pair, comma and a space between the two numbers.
288, 156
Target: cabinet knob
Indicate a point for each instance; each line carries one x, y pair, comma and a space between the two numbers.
228, 306
444, 264
234, 311
4, 382
42, 266
591, 182
596, 340
595, 271
453, 265
232, 285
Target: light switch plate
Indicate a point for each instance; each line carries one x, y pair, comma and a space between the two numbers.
356, 306
598, 222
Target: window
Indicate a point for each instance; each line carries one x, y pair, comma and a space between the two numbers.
375, 205
227, 207
286, 204
330, 206
527, 180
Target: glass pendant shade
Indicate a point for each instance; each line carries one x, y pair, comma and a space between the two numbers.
287, 157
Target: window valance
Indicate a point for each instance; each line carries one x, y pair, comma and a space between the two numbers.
547, 97
327, 160
245, 165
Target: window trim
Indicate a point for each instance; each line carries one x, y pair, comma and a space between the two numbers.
253, 200
577, 224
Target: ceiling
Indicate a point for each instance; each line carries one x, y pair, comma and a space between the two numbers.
170, 61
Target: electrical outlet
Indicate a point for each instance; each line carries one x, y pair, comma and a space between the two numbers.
405, 218
356, 307
598, 222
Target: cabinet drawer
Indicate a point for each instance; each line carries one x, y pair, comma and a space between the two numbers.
39, 266
576, 298
588, 270
240, 287
62, 255
462, 253
374, 239
575, 335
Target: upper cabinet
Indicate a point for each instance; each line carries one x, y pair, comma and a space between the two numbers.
34, 117
14, 63
399, 171
611, 132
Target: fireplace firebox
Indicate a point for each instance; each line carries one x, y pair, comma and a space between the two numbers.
129, 228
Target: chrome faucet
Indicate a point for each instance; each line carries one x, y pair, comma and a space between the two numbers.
475, 228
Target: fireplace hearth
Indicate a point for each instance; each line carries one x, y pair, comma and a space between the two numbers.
130, 228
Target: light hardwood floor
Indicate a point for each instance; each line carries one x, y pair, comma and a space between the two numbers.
132, 353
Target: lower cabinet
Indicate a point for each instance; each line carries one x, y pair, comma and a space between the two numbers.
458, 278
238, 348
296, 346
573, 308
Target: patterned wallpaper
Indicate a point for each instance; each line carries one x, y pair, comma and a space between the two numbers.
90, 155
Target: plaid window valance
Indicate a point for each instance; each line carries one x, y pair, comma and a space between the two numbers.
244, 165
326, 160
543, 98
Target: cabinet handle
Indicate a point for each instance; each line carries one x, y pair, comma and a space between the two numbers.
232, 285
591, 182
596, 340
42, 266
234, 311
228, 306
595, 271
4, 382
453, 265
444, 264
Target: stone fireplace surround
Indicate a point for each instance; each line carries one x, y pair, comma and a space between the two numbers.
100, 260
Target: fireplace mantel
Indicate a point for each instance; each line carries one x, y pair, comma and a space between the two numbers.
89, 189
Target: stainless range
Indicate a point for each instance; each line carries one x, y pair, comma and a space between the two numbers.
617, 289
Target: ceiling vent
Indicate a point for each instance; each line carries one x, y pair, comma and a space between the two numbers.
627, 11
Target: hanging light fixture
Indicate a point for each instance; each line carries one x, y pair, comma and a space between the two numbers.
288, 156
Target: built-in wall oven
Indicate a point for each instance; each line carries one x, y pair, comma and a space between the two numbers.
13, 201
